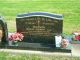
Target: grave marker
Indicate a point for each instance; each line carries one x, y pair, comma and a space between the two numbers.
3, 33
39, 27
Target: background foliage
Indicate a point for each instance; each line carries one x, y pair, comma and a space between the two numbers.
70, 9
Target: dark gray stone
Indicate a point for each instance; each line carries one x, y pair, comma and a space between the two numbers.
4, 39
39, 27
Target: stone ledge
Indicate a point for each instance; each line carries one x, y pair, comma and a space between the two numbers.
34, 52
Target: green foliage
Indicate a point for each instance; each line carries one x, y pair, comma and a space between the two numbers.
69, 8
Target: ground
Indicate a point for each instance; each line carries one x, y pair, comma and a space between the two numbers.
70, 9
13, 56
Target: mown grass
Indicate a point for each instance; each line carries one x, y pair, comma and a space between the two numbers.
15, 56
69, 8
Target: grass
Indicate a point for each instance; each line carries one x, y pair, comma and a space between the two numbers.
70, 10
13, 56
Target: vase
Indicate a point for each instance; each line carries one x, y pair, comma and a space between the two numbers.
15, 43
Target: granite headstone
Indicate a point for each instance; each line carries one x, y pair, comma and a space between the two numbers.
39, 27
3, 33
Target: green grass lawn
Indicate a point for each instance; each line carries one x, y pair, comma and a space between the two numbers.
69, 8
13, 56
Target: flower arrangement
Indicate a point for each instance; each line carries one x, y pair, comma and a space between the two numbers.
76, 36
16, 37
64, 43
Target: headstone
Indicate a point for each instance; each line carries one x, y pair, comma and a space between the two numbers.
3, 33
39, 27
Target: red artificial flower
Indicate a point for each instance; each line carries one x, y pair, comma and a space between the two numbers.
77, 37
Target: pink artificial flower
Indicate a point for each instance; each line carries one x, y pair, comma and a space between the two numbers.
16, 37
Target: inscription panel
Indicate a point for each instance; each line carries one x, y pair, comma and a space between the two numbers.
38, 29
